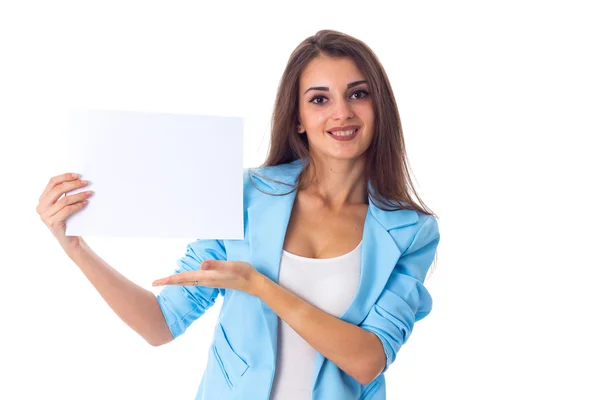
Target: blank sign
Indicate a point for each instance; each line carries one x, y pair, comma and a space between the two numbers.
157, 175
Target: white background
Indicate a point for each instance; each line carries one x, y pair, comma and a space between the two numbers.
499, 104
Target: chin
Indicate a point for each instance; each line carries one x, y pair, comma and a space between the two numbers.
346, 157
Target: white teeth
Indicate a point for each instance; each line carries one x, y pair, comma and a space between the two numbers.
343, 133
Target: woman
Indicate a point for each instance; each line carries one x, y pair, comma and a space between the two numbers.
327, 283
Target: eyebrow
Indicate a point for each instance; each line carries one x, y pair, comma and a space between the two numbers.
326, 89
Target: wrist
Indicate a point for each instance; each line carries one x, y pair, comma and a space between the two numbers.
74, 250
259, 284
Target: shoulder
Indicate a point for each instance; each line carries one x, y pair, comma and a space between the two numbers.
425, 231
408, 226
276, 179
283, 172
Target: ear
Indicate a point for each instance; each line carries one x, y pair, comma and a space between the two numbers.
300, 129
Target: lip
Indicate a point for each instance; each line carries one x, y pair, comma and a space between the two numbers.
344, 138
344, 128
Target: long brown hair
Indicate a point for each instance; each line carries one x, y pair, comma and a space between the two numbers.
387, 168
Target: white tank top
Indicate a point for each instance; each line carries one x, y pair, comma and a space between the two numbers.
329, 284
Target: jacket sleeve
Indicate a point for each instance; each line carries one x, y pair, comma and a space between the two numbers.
404, 300
182, 305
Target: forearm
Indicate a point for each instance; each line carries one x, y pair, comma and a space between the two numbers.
356, 351
136, 306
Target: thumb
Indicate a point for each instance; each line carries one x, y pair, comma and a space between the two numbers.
207, 265
212, 264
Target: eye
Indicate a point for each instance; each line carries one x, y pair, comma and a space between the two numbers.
318, 97
363, 93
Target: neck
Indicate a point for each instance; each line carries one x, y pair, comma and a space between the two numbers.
338, 183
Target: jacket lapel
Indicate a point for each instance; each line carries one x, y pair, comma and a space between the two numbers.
268, 219
379, 257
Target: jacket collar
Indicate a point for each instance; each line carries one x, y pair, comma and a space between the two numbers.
288, 174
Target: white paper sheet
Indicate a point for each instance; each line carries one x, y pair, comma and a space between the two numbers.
157, 175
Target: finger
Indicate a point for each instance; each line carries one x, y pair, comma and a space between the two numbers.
51, 197
168, 281
63, 214
176, 279
66, 201
217, 264
206, 265
204, 278
56, 180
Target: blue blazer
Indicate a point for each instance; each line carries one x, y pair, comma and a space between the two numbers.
398, 249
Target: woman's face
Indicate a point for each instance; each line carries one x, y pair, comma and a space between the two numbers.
333, 94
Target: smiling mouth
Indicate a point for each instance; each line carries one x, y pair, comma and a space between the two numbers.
344, 133
344, 136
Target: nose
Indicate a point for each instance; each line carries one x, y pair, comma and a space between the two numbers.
343, 110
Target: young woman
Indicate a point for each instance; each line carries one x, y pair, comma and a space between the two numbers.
327, 283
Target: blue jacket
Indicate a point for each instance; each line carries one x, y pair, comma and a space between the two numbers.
398, 249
